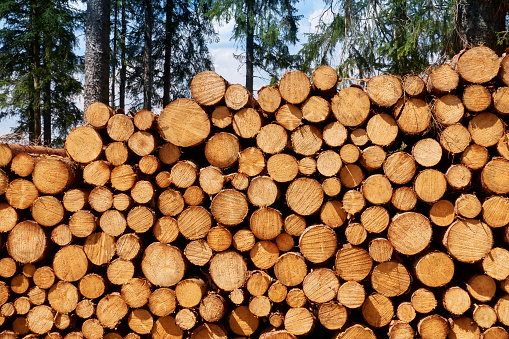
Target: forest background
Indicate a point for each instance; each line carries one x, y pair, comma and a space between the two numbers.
58, 56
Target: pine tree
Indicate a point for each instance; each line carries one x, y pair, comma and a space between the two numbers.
38, 65
266, 29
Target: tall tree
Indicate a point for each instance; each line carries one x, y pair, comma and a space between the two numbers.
365, 37
97, 52
147, 55
123, 66
37, 39
265, 29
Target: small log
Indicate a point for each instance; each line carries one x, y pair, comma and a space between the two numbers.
258, 283
100, 199
163, 265
228, 270
390, 279
404, 198
382, 129
377, 189
92, 286
83, 144
211, 179
494, 176
299, 321
40, 319
442, 213
315, 109
120, 127
120, 271
500, 102
468, 240
353, 202
222, 150
222, 117
384, 90
166, 229
481, 287
184, 173
26, 242
409, 241
475, 157
502, 309
355, 233
128, 246
237, 97
97, 173
198, 252
307, 166
496, 332
113, 222
484, 316
237, 296
495, 264
443, 79
63, 297
70, 263
247, 123
325, 79
266, 223
117, 153
328, 163
282, 167
468, 206
209, 330
372, 157
456, 300
264, 254
414, 86
476, 98
304, 196
229, 207
61, 235
295, 224
243, 240
380, 249
377, 310
44, 277
430, 185
9, 217
289, 116
144, 120
99, 248
423, 300
295, 87
335, 134
262, 191
332, 315
260, 306
306, 140
401, 330
320, 286
478, 65
412, 115
212, 307
269, 99
85, 309
458, 177
184, 123
272, 139
251, 161
405, 312
357, 331
21, 193
332, 214
351, 175
169, 153
208, 88
399, 168
351, 106
111, 309
122, 177
242, 322
142, 143
219, 238
97, 114
486, 129
353, 263
189, 292
141, 218
22, 164
349, 153
22, 305
290, 269
162, 302
331, 186
277, 292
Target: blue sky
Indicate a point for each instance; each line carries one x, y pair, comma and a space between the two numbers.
222, 53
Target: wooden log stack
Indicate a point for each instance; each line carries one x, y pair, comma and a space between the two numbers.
366, 212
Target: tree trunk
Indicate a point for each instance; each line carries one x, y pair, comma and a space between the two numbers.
122, 58
147, 57
114, 61
167, 53
97, 52
47, 96
477, 23
35, 123
249, 46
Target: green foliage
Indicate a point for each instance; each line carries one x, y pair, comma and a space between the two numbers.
367, 37
189, 49
275, 26
55, 27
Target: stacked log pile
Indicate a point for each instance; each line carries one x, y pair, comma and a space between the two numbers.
368, 212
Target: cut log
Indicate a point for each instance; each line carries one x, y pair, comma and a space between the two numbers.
496, 263
496, 332
484, 316
262, 191
413, 86
272, 139
144, 119
128, 246
315, 109
290, 269
423, 300
409, 233
117, 153
269, 99
328, 163
357, 331
208, 88
448, 110
502, 309
455, 138
353, 263
332, 315
282, 167
120, 271
222, 150
40, 319
478, 65
92, 286
401, 329
353, 202
481, 287
430, 185
260, 306
99, 248
318, 243
412, 115
97, 173
237, 97
355, 233
500, 102
468, 240
307, 166
111, 309
332, 214
377, 310
189, 292
372, 157
384, 90
242, 322
120, 127
321, 285
198, 252
122, 177
97, 114
299, 321
264, 254
258, 283
183, 123
247, 123
208, 330
474, 157
277, 292
494, 176
212, 307
44, 277
84, 309
380, 249
9, 217
427, 152
468, 206
399, 168
266, 223
5, 155
21, 193
404, 198
26, 242
456, 300
335, 134
289, 116
442, 213
122, 202
382, 129
142, 143
405, 312
61, 235
184, 173
304, 196
229, 207
194, 222
219, 238
228, 270
458, 177
390, 279
325, 78
211, 179
349, 153
141, 218
169, 153
100, 199
163, 265
83, 144
22, 164
331, 186
295, 87
351, 106
443, 79
63, 297
306, 140
377, 189
243, 240
351, 175
486, 129
162, 302
70, 263
476, 98
359, 137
